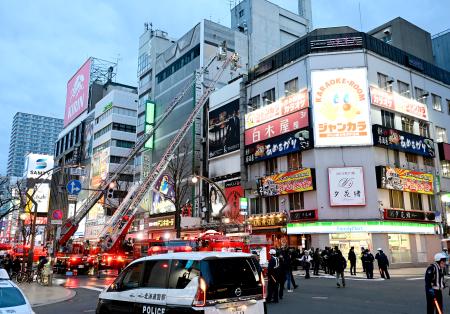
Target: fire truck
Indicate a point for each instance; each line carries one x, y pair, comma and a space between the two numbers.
113, 235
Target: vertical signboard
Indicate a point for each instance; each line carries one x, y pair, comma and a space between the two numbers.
149, 121
77, 97
234, 192
341, 108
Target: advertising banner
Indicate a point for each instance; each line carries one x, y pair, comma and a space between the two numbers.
279, 146
341, 108
41, 196
100, 167
224, 129
233, 192
346, 186
280, 126
77, 96
282, 107
164, 196
88, 139
404, 180
287, 182
267, 221
395, 102
402, 141
38, 164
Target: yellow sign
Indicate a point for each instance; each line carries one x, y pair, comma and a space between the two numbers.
267, 221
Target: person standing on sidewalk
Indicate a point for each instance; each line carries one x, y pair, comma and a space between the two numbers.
273, 274
339, 265
367, 260
434, 284
282, 274
316, 259
352, 260
363, 250
306, 262
383, 264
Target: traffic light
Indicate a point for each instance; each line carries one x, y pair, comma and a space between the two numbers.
110, 193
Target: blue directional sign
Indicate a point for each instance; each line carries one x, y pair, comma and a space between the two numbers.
74, 187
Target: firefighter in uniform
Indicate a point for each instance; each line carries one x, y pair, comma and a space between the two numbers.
434, 284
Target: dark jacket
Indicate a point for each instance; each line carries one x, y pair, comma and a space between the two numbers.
338, 262
273, 269
352, 256
434, 278
382, 259
367, 258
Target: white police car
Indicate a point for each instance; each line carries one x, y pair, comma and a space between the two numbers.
195, 282
12, 299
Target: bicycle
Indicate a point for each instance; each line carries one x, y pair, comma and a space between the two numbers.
28, 276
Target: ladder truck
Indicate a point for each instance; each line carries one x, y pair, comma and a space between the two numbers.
121, 220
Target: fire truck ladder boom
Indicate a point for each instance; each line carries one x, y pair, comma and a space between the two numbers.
123, 217
70, 226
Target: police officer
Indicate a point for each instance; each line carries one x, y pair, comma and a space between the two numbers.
434, 284
367, 260
273, 277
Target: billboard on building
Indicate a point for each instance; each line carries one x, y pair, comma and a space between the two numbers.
395, 102
286, 124
41, 195
233, 192
37, 165
279, 146
224, 129
99, 167
282, 107
88, 139
77, 97
404, 180
341, 108
287, 182
346, 186
402, 141
163, 195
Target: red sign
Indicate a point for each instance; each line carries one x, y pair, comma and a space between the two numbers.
233, 192
77, 93
57, 214
395, 102
39, 220
280, 126
444, 151
277, 109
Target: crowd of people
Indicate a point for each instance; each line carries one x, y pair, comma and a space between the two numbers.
330, 261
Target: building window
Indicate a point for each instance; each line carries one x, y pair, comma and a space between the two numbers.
416, 201
441, 135
387, 119
431, 203
448, 105
424, 129
271, 204
397, 158
400, 248
124, 127
411, 158
271, 166
396, 199
294, 161
268, 97
178, 64
122, 143
428, 161
291, 87
296, 201
254, 102
241, 13
256, 207
384, 82
437, 102
445, 164
421, 95
403, 89
407, 125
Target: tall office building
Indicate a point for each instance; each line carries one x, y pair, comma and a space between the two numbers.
31, 134
441, 47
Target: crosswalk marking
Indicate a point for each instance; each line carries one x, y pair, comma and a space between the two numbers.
92, 288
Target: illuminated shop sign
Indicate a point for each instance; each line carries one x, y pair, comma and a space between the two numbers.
303, 215
404, 180
282, 107
341, 108
402, 141
288, 182
286, 124
414, 215
355, 41
280, 146
267, 220
395, 102
162, 223
360, 226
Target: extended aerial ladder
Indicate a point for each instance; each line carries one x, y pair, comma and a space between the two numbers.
121, 221
71, 225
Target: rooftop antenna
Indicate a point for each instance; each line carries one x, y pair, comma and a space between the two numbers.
360, 17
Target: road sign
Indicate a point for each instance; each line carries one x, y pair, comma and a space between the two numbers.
56, 222
77, 171
57, 214
74, 187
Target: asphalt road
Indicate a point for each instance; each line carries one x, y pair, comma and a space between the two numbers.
316, 295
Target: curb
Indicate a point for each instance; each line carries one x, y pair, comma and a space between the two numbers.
70, 294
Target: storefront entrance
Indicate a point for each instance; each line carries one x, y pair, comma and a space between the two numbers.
344, 241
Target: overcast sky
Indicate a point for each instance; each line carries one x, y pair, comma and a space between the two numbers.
43, 43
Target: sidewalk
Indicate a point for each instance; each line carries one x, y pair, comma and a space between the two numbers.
42, 295
395, 272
